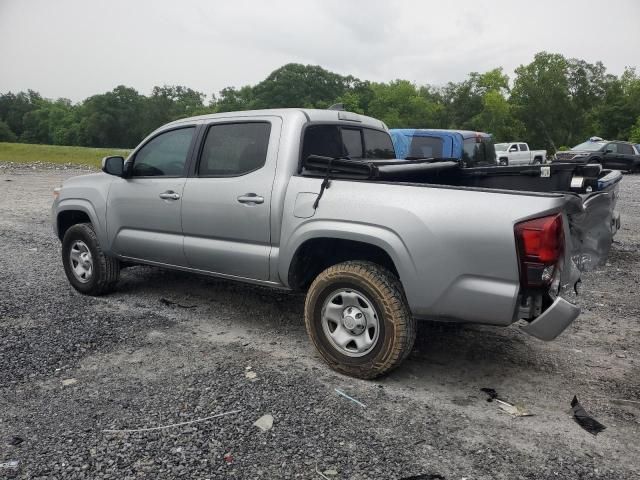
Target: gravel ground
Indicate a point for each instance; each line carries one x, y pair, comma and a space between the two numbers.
74, 366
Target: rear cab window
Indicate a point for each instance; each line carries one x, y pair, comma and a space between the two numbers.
338, 141
426, 147
478, 152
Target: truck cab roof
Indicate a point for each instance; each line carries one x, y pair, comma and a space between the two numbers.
311, 115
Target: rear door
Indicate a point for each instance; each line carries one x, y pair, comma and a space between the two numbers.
143, 218
227, 198
627, 155
524, 154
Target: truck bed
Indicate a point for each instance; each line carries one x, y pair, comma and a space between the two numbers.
591, 190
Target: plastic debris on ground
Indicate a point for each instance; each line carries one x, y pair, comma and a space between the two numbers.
586, 421
507, 407
515, 410
15, 440
67, 382
491, 392
228, 458
250, 374
10, 465
342, 394
264, 423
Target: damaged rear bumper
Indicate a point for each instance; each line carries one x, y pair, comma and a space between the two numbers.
553, 321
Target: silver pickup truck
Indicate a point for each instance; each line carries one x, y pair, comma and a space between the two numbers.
314, 200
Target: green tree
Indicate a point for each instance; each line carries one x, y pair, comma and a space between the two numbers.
113, 119
541, 101
13, 108
232, 100
634, 134
466, 100
296, 85
497, 118
6, 135
168, 103
400, 104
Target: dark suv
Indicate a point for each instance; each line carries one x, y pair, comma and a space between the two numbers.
614, 155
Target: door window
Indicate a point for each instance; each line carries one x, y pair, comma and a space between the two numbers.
234, 149
523, 147
164, 155
626, 149
612, 147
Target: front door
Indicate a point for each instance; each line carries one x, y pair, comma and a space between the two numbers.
227, 202
143, 217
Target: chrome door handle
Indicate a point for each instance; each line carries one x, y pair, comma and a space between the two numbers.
250, 198
170, 195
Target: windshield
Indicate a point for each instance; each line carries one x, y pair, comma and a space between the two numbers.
589, 146
501, 147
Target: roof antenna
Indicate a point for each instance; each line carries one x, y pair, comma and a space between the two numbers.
337, 106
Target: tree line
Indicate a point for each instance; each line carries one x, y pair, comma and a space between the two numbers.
551, 102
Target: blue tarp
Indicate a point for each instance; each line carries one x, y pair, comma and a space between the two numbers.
451, 142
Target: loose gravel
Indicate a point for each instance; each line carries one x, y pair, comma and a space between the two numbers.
74, 366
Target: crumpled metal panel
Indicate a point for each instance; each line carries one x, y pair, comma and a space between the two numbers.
593, 226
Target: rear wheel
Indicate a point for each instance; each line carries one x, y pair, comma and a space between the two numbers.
537, 161
358, 319
87, 268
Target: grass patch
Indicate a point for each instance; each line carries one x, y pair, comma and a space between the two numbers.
30, 153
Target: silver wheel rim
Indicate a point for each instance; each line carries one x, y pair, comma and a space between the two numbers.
81, 261
350, 322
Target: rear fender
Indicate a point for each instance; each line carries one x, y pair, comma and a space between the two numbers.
375, 235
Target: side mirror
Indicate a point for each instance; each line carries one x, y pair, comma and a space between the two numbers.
513, 149
113, 165
608, 150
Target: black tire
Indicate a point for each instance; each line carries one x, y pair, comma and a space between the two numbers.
105, 270
397, 327
503, 162
537, 161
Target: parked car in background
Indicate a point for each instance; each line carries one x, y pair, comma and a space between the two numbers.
616, 155
518, 153
474, 149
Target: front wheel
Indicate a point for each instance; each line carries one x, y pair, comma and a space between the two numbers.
87, 268
503, 162
358, 319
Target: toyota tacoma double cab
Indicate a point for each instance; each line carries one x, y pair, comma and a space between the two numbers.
315, 201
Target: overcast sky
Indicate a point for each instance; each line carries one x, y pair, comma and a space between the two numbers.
76, 48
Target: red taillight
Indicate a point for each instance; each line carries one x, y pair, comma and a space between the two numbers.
540, 246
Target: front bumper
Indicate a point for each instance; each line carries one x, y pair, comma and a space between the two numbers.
553, 321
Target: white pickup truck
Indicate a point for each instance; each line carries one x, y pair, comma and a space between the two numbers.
518, 153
